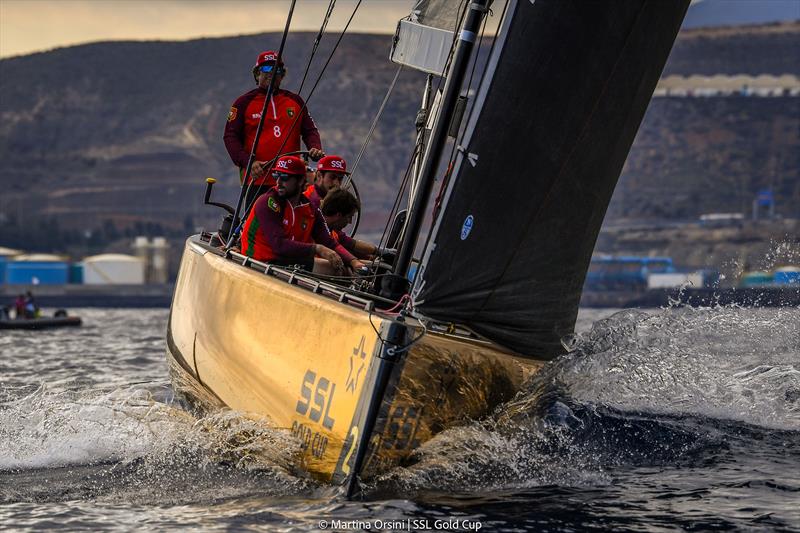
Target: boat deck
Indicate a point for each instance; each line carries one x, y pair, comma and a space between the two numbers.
368, 302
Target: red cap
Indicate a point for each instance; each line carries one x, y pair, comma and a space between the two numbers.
270, 56
332, 163
290, 164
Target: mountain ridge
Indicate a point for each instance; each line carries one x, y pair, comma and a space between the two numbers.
122, 133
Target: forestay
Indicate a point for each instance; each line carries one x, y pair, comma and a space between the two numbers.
423, 40
567, 84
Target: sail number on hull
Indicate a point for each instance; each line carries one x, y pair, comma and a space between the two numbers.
399, 435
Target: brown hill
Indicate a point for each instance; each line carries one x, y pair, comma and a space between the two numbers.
113, 139
702, 155
125, 132
763, 49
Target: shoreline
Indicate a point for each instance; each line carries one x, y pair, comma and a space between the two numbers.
67, 296
160, 295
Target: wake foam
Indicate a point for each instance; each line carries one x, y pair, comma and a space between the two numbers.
124, 444
666, 389
725, 362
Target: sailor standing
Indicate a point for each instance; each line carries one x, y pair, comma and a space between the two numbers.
287, 121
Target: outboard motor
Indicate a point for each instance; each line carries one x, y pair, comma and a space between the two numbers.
227, 221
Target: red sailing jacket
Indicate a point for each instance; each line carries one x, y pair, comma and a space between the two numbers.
345, 240
286, 122
277, 231
313, 195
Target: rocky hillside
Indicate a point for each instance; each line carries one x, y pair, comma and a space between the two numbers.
112, 139
704, 155
707, 13
767, 49
127, 131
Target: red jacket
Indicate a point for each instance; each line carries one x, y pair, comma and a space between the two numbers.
345, 240
313, 195
276, 230
286, 122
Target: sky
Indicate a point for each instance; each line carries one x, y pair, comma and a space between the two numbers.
28, 26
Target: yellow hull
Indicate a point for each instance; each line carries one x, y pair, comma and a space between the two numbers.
342, 378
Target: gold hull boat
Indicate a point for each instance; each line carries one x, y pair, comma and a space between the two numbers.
359, 387
540, 150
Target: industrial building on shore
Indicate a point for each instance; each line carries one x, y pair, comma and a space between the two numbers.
148, 265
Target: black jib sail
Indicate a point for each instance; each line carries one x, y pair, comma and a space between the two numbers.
565, 89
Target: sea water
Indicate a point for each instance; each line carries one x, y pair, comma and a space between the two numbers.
670, 419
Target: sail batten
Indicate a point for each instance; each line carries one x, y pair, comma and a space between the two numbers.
561, 101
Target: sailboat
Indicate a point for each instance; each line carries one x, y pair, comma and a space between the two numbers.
364, 373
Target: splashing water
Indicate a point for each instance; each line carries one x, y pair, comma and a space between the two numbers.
672, 387
125, 444
685, 418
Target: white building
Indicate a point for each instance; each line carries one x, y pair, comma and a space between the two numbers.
113, 269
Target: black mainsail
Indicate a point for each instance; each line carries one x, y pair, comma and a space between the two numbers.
565, 89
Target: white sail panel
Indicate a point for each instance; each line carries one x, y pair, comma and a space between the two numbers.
424, 39
421, 47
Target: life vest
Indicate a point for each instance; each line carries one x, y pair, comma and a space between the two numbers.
298, 225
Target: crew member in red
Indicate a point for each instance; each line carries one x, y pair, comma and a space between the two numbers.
338, 207
331, 170
284, 228
287, 121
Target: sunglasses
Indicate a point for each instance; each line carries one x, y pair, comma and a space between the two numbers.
270, 68
283, 176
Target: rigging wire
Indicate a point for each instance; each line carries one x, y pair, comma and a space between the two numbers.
242, 190
395, 350
374, 124
468, 117
357, 194
349, 181
421, 121
322, 28
313, 88
397, 199
399, 304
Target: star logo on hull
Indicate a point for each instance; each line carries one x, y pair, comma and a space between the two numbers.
357, 360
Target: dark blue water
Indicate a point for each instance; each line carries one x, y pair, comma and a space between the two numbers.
675, 419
